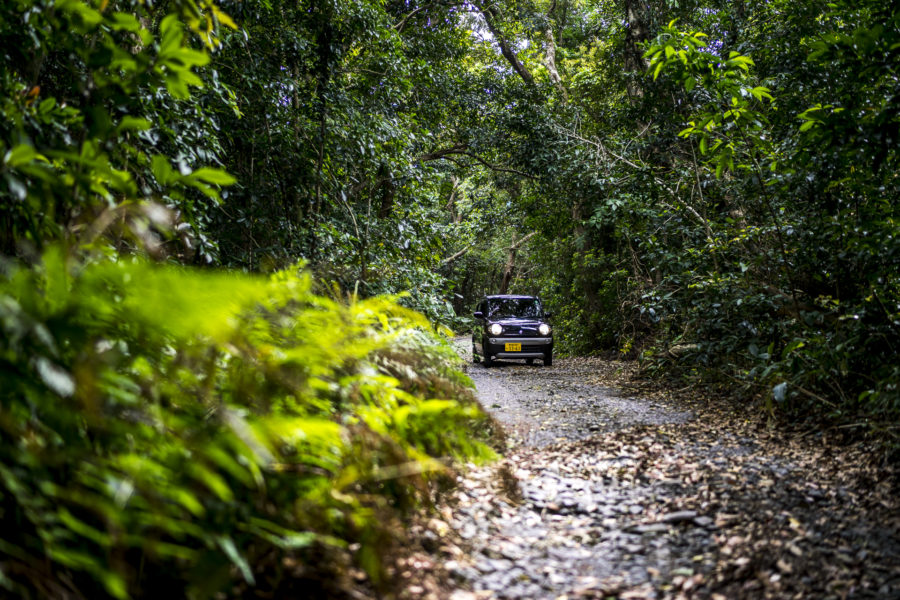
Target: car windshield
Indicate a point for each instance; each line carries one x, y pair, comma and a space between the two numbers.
504, 308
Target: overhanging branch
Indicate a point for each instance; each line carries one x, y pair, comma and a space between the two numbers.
399, 26
443, 153
490, 19
454, 256
493, 167
461, 150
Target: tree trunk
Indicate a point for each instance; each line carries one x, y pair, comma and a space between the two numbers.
583, 274
455, 216
511, 262
323, 78
550, 62
385, 185
635, 34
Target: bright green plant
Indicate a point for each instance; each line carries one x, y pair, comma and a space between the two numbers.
733, 118
165, 430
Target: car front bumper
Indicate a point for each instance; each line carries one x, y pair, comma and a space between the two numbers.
531, 347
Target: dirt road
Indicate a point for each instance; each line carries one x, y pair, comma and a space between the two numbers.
606, 494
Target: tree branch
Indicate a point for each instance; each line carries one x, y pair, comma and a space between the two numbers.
635, 34
399, 26
499, 169
452, 200
603, 149
461, 150
490, 20
458, 148
453, 257
511, 262
550, 62
517, 245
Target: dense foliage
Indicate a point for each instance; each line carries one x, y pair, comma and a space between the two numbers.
166, 430
173, 431
799, 288
714, 186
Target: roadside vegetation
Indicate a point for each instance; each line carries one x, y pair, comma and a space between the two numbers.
172, 430
168, 431
229, 231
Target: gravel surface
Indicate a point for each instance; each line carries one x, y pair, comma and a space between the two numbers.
604, 494
542, 405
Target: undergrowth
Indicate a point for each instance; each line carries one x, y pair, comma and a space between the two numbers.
196, 433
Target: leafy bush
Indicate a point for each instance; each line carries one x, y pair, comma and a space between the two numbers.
790, 288
98, 116
170, 431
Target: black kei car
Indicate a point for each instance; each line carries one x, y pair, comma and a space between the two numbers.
510, 326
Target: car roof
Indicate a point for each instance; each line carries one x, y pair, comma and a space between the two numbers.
508, 296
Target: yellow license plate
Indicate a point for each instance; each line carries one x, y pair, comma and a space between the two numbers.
513, 347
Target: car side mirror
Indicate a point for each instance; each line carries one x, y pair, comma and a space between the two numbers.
478, 314
548, 314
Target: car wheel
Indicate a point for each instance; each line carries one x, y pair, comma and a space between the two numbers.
548, 359
529, 361
487, 361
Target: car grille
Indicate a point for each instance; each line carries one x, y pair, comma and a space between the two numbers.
520, 331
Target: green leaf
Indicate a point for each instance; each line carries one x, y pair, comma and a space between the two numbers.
806, 126
130, 123
20, 155
213, 481
47, 105
125, 22
760, 92
237, 559
214, 176
90, 16
78, 526
172, 34
162, 170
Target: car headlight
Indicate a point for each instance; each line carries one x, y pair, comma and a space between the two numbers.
495, 329
544, 329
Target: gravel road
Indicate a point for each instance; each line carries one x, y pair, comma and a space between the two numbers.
604, 494
538, 406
